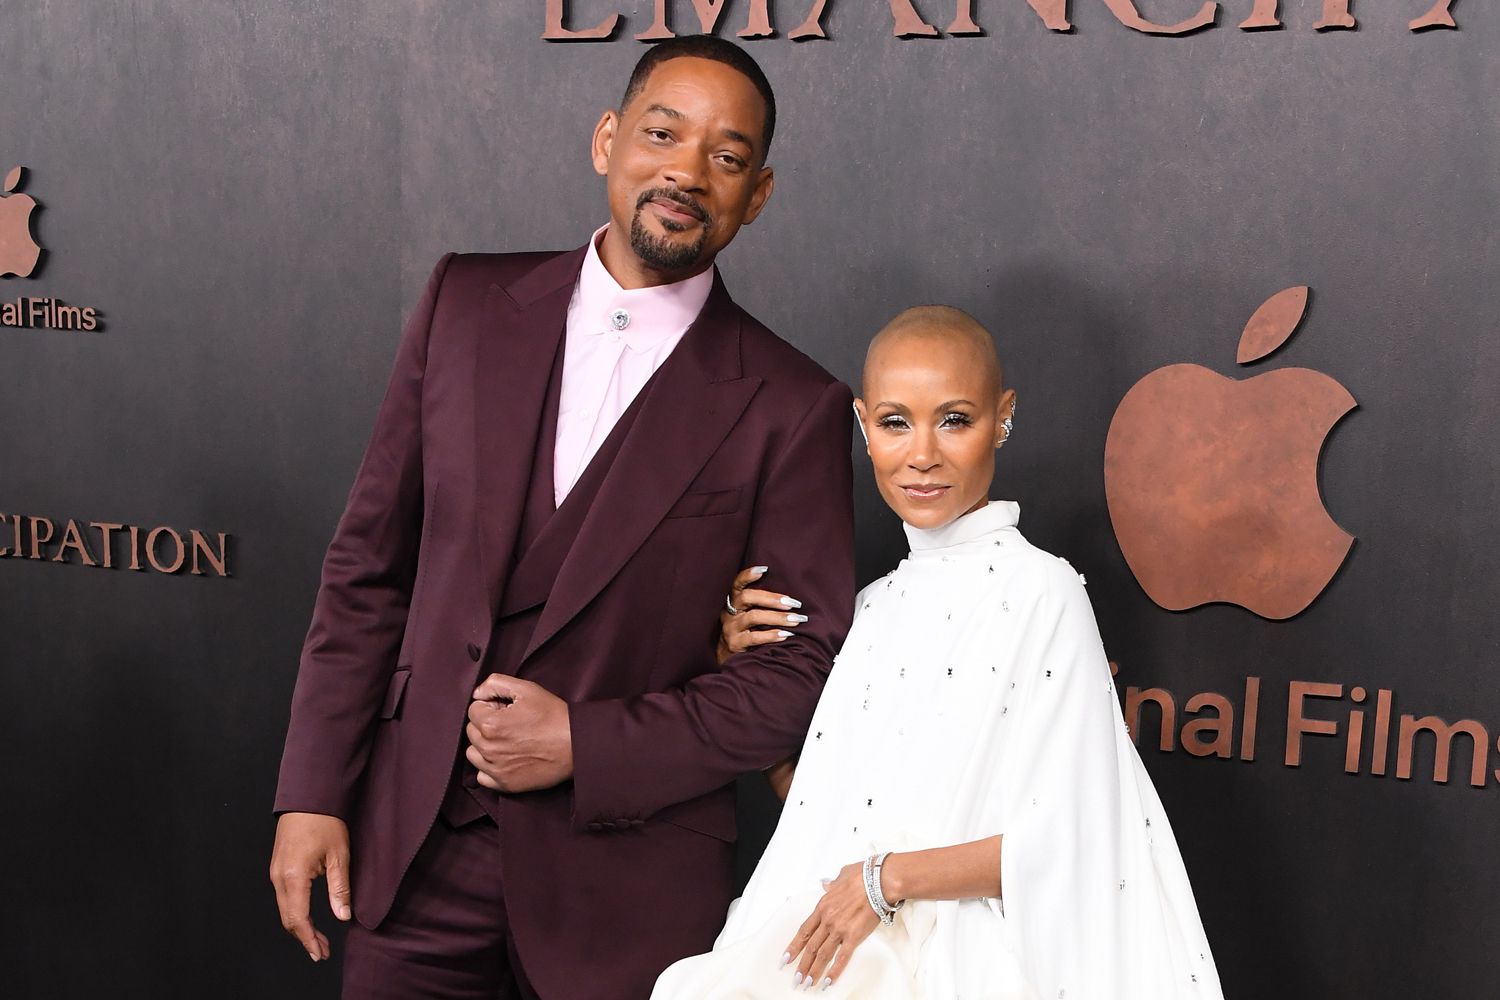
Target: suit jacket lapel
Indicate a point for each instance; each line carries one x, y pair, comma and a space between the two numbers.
522, 331
694, 401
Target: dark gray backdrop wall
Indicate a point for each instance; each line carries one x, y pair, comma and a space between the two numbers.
252, 194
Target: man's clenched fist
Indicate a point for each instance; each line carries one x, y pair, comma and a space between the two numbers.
519, 735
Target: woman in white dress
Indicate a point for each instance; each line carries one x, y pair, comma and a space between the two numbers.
968, 819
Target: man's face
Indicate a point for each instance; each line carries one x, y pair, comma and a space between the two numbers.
683, 163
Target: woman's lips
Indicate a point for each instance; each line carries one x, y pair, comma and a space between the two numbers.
924, 491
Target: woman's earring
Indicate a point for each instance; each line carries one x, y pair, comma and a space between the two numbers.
1006, 425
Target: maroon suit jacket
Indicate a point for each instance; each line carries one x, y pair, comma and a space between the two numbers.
739, 456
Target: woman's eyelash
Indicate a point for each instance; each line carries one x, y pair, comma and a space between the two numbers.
952, 419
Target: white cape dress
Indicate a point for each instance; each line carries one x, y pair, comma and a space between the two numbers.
972, 698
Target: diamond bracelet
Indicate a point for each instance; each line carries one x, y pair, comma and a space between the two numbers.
885, 911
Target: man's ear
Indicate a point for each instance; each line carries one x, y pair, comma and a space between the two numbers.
604, 141
765, 183
859, 421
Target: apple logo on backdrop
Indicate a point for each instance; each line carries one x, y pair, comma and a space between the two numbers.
1212, 483
18, 251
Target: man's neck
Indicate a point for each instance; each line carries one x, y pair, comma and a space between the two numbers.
629, 271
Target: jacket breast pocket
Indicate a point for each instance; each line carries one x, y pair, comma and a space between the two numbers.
706, 504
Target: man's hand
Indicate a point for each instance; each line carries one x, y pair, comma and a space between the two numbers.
519, 735
309, 845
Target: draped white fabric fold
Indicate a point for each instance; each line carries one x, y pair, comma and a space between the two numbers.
972, 698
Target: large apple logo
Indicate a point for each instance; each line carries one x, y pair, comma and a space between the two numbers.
1212, 483
18, 251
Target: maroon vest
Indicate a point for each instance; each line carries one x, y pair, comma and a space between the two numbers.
547, 533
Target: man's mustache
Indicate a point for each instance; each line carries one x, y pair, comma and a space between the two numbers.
677, 197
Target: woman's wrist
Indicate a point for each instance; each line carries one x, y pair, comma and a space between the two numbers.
892, 883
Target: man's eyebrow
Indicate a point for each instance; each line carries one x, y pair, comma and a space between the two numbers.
739, 137
663, 109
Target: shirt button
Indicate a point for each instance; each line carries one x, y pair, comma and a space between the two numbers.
619, 319
475, 652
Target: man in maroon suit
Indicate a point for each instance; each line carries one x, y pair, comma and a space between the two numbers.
510, 750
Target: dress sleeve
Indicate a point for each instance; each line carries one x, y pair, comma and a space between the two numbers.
1095, 898
1059, 803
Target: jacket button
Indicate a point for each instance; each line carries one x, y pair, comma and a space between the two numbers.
475, 652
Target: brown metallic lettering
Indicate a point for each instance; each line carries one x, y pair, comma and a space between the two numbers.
813, 26
1336, 17
963, 20
73, 539
1054, 14
1443, 734
1353, 745
1440, 16
1252, 716
201, 546
105, 529
1162, 698
1380, 753
1262, 18
1221, 725
151, 545
557, 32
757, 22
37, 539
908, 23
1297, 724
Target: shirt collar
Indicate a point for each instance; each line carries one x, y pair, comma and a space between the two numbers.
994, 517
651, 315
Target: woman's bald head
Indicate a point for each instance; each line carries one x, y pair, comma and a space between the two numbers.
945, 330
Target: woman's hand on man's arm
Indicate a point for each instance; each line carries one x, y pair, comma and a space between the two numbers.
759, 616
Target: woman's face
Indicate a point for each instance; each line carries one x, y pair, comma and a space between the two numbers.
931, 413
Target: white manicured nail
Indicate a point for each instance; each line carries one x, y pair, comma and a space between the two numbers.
790, 602
786, 957
759, 571
796, 980
827, 982
782, 633
796, 619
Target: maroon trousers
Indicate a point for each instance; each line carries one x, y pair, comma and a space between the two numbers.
447, 936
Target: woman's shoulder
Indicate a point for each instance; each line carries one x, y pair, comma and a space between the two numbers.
1041, 573
868, 590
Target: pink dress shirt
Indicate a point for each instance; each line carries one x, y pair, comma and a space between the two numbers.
616, 339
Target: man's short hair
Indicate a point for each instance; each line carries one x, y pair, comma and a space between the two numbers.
706, 47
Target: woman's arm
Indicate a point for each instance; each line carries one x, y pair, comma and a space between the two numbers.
844, 917
963, 871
